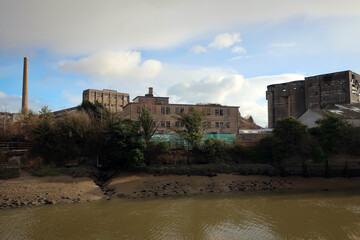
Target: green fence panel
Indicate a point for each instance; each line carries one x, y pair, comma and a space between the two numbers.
175, 140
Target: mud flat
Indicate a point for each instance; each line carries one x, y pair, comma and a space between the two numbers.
32, 191
142, 185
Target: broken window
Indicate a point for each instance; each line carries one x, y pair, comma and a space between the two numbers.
227, 124
216, 112
167, 110
163, 110
221, 112
177, 110
162, 124
221, 125
167, 124
182, 124
217, 124
182, 110
177, 124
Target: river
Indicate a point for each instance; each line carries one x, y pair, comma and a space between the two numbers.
324, 215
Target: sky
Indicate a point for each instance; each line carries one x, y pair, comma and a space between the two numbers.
202, 51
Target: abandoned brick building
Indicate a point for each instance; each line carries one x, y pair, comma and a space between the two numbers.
111, 99
217, 118
315, 92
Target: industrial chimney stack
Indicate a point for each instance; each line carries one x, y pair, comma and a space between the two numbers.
24, 106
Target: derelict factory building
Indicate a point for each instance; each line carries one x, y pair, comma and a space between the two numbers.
315, 92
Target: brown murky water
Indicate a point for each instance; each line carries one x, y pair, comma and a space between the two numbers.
323, 215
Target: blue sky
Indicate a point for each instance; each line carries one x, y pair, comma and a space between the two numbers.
225, 52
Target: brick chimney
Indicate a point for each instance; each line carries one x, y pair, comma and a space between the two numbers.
24, 106
150, 94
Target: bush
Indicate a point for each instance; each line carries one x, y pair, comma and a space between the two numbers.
215, 150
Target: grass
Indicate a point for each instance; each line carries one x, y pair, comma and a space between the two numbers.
208, 169
78, 171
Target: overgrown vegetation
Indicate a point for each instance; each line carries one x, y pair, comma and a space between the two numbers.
95, 137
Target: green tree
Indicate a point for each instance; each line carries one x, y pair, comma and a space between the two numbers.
193, 132
147, 123
45, 112
333, 134
292, 137
124, 145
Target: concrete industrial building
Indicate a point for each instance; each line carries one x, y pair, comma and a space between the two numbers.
315, 92
111, 99
217, 118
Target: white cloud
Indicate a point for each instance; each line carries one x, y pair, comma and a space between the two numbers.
86, 26
233, 90
284, 45
225, 40
114, 65
198, 49
12, 103
238, 49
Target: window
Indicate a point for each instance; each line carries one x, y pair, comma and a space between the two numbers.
167, 124
163, 110
138, 109
221, 112
221, 125
208, 111
217, 124
127, 99
182, 110
216, 112
228, 112
106, 96
208, 125
167, 110
182, 124
177, 124
162, 124
177, 110
113, 96
227, 124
